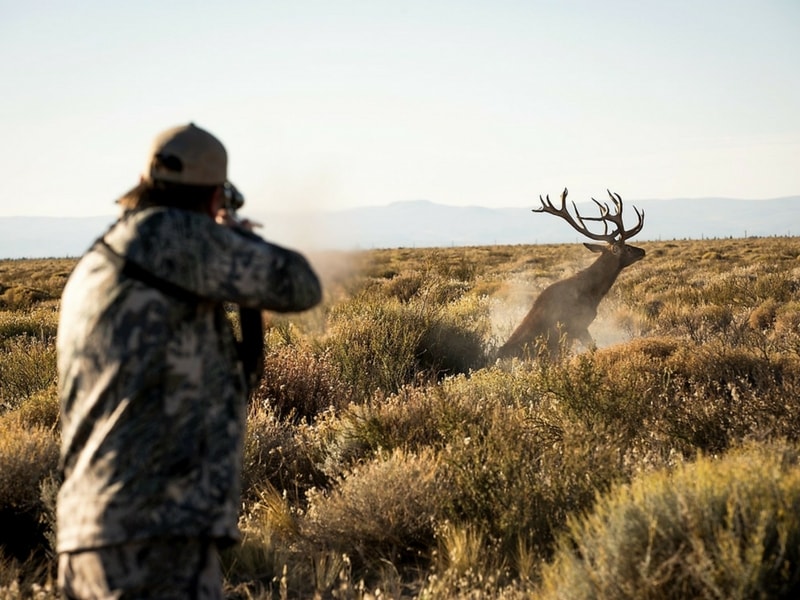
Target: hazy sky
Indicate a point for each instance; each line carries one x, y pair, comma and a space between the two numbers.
334, 104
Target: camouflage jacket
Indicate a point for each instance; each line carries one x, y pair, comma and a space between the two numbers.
153, 397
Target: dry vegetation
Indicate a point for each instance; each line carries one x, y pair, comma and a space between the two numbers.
390, 455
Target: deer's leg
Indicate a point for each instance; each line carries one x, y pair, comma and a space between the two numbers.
553, 346
586, 339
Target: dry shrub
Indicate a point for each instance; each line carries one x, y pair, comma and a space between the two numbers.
40, 409
699, 323
47, 275
411, 419
23, 297
724, 528
27, 456
647, 350
762, 316
669, 397
380, 344
787, 319
419, 417
693, 396
711, 417
468, 565
382, 509
404, 286
617, 395
277, 454
28, 367
713, 255
786, 335
28, 459
38, 323
299, 383
516, 471
28, 579
751, 285
451, 345
513, 464
253, 566
719, 365
373, 343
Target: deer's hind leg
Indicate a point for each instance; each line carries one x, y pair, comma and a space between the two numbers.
586, 339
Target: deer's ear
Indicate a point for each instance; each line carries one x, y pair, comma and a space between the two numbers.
596, 247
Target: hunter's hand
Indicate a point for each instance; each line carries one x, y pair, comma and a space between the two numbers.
224, 217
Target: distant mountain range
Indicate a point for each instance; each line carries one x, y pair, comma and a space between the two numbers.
422, 223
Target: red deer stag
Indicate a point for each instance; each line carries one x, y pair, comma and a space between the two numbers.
566, 309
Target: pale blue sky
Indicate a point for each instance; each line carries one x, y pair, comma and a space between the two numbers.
334, 104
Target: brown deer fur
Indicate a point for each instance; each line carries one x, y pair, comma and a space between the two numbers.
565, 310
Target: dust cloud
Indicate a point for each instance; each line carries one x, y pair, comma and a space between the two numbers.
513, 302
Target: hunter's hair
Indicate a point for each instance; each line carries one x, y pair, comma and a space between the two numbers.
196, 198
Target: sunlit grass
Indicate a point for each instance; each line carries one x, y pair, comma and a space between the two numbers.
388, 452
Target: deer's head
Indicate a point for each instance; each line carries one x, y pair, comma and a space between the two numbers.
614, 233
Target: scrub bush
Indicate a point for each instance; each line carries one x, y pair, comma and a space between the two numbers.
724, 527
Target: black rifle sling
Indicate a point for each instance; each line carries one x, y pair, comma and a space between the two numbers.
134, 271
250, 348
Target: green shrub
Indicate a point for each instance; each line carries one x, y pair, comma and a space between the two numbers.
718, 528
693, 397
516, 472
382, 344
374, 343
453, 341
386, 384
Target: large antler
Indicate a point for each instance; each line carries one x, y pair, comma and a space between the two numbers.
578, 222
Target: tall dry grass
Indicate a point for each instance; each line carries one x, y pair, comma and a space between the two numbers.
389, 454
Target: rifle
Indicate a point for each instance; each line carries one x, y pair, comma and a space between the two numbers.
251, 344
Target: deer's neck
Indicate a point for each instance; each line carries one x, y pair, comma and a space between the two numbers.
598, 277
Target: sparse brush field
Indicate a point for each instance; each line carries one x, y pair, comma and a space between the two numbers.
390, 455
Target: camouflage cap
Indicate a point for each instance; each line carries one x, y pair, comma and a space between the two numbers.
188, 155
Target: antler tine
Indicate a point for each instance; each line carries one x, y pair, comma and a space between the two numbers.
606, 217
577, 222
616, 218
632, 232
548, 207
629, 233
603, 218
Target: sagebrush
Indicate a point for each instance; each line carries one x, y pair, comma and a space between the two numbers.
389, 453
